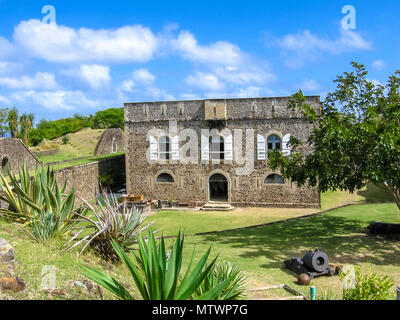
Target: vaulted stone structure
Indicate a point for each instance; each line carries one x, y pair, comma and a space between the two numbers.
111, 141
14, 153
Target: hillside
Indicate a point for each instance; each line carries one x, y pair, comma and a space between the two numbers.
80, 144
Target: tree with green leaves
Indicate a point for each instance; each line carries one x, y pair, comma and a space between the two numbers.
3, 122
26, 124
13, 124
356, 139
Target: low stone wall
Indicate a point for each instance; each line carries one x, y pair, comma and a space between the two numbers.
85, 178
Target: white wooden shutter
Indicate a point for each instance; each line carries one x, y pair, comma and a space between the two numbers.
175, 148
286, 150
260, 147
228, 148
205, 148
153, 148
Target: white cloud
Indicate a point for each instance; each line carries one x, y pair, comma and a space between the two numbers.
223, 63
143, 76
95, 75
41, 80
7, 67
309, 85
141, 86
56, 100
57, 43
304, 46
204, 81
7, 48
127, 85
221, 52
379, 65
4, 100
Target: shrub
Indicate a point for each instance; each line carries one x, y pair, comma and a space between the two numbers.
65, 139
54, 129
110, 118
111, 220
38, 203
368, 287
220, 273
157, 275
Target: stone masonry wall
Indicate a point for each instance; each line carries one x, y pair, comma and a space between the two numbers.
85, 178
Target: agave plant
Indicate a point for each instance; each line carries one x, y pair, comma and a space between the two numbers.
38, 202
157, 275
219, 273
109, 220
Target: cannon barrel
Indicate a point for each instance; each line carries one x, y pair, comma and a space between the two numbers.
316, 260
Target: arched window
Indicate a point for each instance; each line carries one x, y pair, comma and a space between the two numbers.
274, 179
165, 177
217, 148
274, 143
164, 147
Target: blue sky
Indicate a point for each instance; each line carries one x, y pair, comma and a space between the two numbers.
100, 54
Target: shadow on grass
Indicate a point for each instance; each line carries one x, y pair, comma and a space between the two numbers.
343, 239
376, 194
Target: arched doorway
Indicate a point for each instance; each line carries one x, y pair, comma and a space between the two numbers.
218, 186
4, 164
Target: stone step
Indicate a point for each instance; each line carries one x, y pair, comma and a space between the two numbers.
217, 206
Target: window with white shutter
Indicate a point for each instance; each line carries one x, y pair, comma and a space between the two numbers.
153, 149
286, 149
228, 148
260, 147
205, 148
175, 148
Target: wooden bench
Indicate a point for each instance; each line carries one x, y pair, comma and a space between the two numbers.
187, 203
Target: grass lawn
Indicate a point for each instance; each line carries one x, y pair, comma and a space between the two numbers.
32, 256
259, 252
83, 161
192, 222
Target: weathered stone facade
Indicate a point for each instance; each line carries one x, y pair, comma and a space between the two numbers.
111, 141
14, 153
260, 116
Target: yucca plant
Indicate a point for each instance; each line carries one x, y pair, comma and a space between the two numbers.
22, 190
158, 275
109, 220
219, 273
38, 202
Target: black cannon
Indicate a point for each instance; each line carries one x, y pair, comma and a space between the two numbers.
314, 263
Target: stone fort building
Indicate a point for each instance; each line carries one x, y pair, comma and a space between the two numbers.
215, 150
